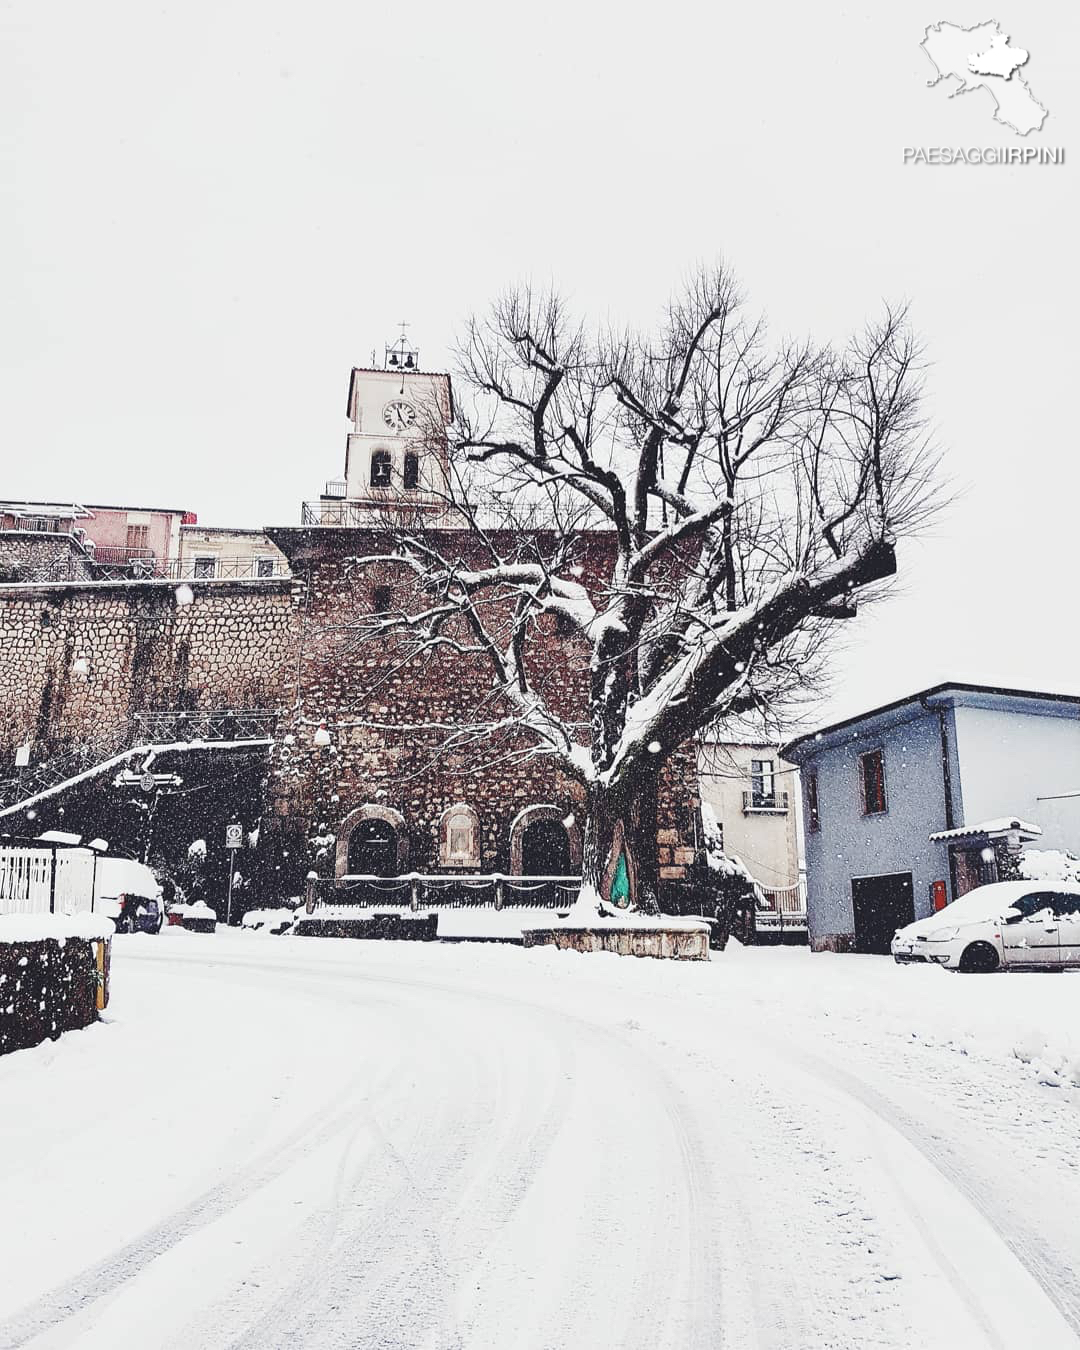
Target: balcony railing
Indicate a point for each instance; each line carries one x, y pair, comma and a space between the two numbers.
225, 569
764, 803
90, 567
383, 504
112, 555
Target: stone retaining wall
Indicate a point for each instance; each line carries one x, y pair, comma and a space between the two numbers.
667, 943
32, 556
80, 658
48, 987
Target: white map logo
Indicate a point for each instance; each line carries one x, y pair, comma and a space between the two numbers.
981, 58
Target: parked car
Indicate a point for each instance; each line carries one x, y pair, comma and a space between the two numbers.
138, 914
194, 915
129, 893
1009, 925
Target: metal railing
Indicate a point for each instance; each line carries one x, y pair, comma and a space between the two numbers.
115, 556
785, 907
341, 514
254, 725
43, 880
473, 890
226, 569
77, 567
61, 766
765, 802
224, 724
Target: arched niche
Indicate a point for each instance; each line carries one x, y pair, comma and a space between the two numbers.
376, 834
535, 832
459, 837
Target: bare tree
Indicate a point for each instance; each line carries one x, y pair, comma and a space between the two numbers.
739, 492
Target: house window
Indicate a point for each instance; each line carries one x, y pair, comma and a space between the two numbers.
205, 567
872, 781
763, 782
813, 816
264, 567
380, 600
410, 477
380, 468
138, 537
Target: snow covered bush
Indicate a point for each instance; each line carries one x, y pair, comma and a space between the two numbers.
1050, 865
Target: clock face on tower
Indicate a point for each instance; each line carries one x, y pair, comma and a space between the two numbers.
399, 415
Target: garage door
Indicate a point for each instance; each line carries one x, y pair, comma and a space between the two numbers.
881, 905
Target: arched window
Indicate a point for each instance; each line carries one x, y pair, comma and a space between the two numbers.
459, 837
380, 468
410, 477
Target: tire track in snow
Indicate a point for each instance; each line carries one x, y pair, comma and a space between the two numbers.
677, 1229
1056, 1279
102, 1279
434, 1209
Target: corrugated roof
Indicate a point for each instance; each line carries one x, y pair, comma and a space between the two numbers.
990, 829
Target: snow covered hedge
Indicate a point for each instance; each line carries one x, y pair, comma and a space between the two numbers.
268, 920
49, 975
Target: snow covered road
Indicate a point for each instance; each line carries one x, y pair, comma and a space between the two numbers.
293, 1142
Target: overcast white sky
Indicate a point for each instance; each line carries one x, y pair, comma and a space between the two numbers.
209, 212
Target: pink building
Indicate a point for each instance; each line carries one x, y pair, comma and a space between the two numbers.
110, 536
42, 542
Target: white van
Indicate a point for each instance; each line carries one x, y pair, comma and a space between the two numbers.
42, 877
128, 892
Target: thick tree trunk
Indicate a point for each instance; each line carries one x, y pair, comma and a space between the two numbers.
648, 863
620, 826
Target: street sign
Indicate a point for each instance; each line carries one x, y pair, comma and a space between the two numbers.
22, 755
148, 782
234, 836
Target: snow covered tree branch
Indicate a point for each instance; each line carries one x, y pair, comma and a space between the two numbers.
697, 507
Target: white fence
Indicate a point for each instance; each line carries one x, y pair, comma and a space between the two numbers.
45, 880
786, 907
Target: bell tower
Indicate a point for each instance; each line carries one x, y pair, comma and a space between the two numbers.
395, 450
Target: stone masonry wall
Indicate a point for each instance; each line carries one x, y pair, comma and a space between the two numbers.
77, 660
230, 648
389, 717
29, 556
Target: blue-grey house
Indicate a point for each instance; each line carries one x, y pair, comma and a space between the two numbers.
910, 805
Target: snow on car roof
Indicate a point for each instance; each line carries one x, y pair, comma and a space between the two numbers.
990, 900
